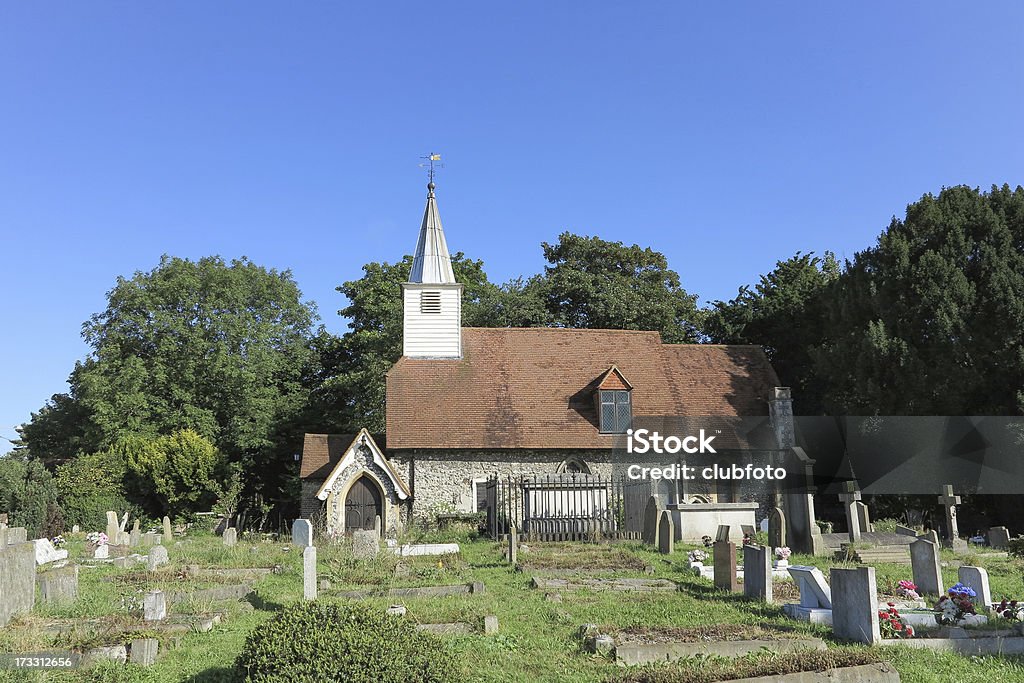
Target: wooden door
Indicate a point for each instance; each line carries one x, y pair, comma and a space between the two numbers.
362, 505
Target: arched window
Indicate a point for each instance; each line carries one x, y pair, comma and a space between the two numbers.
573, 465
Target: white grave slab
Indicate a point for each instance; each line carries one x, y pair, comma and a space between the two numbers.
815, 596
46, 553
426, 549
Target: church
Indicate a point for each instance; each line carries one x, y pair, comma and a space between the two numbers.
465, 405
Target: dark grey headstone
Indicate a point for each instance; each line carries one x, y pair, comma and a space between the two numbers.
651, 513
757, 572
666, 533
924, 561
999, 537
725, 565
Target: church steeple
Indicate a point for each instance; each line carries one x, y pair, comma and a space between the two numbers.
432, 299
431, 264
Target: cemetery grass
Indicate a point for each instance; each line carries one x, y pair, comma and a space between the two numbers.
537, 638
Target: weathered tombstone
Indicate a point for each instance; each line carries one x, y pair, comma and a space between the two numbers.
17, 580
302, 533
863, 516
149, 539
46, 553
154, 606
513, 545
722, 534
136, 526
123, 539
230, 537
776, 528
4, 519
949, 501
124, 523
168, 532
977, 578
101, 552
143, 651
157, 557
814, 590
924, 561
725, 563
58, 585
930, 535
377, 524
666, 533
490, 625
309, 573
365, 544
112, 526
749, 531
855, 605
999, 537
3, 537
757, 572
16, 534
905, 530
75, 528
134, 537
651, 514
850, 497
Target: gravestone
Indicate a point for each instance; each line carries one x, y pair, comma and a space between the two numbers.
377, 525
999, 537
924, 561
949, 501
17, 580
3, 537
309, 573
749, 531
149, 539
723, 533
46, 553
850, 497
651, 515
168, 532
365, 544
112, 527
157, 557
977, 578
863, 517
16, 534
101, 552
666, 533
124, 523
513, 545
58, 585
814, 590
490, 625
302, 533
905, 530
930, 535
136, 526
776, 528
134, 537
123, 538
725, 563
230, 537
757, 573
143, 651
154, 606
855, 605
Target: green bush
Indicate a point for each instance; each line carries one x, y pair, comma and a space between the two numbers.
28, 493
1015, 548
325, 641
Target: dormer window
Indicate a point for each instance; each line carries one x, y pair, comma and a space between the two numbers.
616, 411
614, 402
430, 302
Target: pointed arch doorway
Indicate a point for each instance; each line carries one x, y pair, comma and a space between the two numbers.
363, 504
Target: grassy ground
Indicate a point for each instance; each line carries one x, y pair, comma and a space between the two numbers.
537, 638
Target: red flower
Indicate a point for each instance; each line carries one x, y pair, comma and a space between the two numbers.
898, 626
891, 604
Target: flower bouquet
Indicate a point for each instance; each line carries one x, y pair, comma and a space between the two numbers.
891, 624
58, 541
707, 541
696, 556
957, 607
1010, 609
782, 557
908, 590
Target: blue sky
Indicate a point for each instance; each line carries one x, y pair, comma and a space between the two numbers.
726, 135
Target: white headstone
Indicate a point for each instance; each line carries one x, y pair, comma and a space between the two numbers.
309, 573
814, 590
230, 537
924, 562
46, 553
855, 605
154, 606
113, 528
977, 578
157, 557
102, 552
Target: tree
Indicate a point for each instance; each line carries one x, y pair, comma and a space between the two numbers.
785, 314
929, 321
594, 283
28, 493
177, 473
91, 484
220, 348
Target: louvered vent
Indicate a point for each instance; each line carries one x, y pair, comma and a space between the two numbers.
430, 302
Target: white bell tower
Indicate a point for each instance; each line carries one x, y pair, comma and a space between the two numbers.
432, 299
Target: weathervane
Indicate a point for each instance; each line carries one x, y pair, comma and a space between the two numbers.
430, 159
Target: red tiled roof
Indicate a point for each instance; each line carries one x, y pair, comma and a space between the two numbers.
534, 387
321, 452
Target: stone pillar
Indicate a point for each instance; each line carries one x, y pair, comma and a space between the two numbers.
309, 573
513, 545
780, 412
757, 573
855, 605
168, 532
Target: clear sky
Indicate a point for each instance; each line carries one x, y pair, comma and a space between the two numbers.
726, 135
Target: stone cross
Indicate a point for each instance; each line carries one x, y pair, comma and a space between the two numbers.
950, 501
850, 498
725, 563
